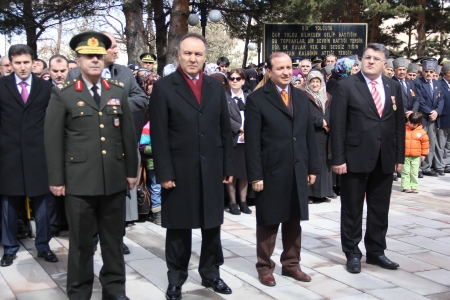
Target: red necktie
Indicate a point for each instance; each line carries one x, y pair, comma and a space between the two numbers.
377, 98
195, 80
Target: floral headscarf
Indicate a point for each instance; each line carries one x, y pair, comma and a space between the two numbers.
344, 66
320, 96
147, 80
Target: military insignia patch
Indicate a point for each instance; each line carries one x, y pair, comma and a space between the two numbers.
113, 102
81, 103
60, 86
79, 85
116, 122
121, 84
106, 84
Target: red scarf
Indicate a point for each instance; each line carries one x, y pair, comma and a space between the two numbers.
195, 88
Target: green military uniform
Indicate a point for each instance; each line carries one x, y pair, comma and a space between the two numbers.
91, 149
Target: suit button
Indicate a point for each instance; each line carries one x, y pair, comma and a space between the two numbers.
102, 126
115, 111
123, 154
114, 107
296, 162
295, 139
71, 158
100, 113
102, 139
104, 152
81, 113
199, 114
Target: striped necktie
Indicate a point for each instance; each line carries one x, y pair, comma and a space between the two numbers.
377, 98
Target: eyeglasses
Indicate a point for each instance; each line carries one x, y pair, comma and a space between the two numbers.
375, 58
235, 79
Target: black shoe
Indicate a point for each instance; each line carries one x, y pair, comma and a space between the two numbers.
430, 173
126, 250
447, 170
441, 172
395, 178
55, 233
382, 261
354, 265
48, 256
123, 297
420, 174
234, 209
399, 174
334, 196
7, 259
218, 285
244, 208
157, 218
173, 292
337, 190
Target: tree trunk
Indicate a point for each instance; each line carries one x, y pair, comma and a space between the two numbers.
421, 29
177, 28
58, 41
161, 33
355, 9
247, 40
30, 26
375, 32
134, 29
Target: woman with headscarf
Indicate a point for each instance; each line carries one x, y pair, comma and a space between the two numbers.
320, 111
342, 69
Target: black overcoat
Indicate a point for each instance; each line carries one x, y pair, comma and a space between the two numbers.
279, 149
23, 169
192, 144
322, 187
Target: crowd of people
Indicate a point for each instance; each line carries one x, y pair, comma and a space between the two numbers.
292, 131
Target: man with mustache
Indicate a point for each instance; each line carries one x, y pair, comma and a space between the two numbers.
91, 153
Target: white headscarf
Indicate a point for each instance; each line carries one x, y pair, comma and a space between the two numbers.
321, 96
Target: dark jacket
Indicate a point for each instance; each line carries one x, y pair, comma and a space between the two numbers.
410, 98
444, 117
358, 133
279, 149
192, 145
429, 102
235, 117
136, 97
90, 150
23, 169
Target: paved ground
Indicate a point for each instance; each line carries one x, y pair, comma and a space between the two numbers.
418, 239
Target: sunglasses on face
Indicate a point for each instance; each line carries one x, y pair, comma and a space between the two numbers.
235, 79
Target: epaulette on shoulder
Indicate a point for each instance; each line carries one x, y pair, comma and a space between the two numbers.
66, 84
116, 82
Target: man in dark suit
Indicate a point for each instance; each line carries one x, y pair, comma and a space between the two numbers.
282, 161
91, 156
409, 93
23, 171
368, 145
193, 156
431, 98
443, 134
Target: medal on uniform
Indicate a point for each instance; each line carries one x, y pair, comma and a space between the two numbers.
394, 106
81, 103
113, 102
116, 122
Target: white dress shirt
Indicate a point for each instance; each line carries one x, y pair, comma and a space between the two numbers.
380, 88
28, 81
89, 86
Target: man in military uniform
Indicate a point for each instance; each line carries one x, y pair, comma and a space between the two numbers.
91, 156
147, 60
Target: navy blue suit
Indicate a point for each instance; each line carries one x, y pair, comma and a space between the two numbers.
428, 103
442, 161
410, 98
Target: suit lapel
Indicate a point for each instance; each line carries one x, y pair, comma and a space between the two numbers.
107, 94
182, 88
274, 97
85, 96
361, 85
206, 92
389, 101
12, 87
36, 86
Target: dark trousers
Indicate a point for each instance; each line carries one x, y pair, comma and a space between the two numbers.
55, 211
10, 206
378, 187
178, 253
266, 236
82, 212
